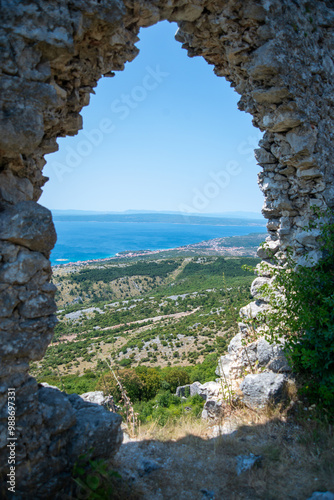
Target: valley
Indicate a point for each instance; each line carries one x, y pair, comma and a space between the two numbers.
159, 312
156, 311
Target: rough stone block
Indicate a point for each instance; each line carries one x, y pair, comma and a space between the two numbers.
57, 412
212, 409
253, 309
263, 388
101, 428
257, 284
30, 225
24, 268
268, 249
15, 189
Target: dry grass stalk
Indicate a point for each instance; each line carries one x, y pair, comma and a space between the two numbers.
131, 416
297, 457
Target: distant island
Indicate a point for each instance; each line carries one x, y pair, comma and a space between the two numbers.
159, 217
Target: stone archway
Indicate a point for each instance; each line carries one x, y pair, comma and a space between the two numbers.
278, 56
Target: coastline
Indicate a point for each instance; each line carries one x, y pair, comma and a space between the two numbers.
216, 246
113, 257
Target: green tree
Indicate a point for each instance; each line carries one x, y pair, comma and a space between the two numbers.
151, 381
302, 311
128, 378
176, 377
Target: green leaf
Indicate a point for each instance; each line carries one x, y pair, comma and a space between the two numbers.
79, 470
93, 481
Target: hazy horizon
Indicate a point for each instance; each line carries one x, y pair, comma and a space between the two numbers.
237, 214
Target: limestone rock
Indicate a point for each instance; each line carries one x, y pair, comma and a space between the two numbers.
246, 462
308, 238
309, 259
15, 189
263, 157
265, 269
24, 268
8, 301
97, 397
212, 409
226, 365
36, 304
207, 390
29, 225
211, 390
253, 309
183, 391
309, 173
257, 284
272, 356
21, 131
275, 95
279, 364
187, 13
302, 140
269, 249
282, 121
208, 494
101, 428
263, 388
256, 354
57, 412
263, 66
235, 344
322, 495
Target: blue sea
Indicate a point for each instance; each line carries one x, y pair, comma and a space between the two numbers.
85, 240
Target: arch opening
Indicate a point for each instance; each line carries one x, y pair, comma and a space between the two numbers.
213, 175
177, 134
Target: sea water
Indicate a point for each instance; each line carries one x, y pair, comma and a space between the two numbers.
86, 240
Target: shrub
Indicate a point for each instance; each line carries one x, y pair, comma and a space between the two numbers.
302, 302
125, 362
176, 377
128, 378
151, 380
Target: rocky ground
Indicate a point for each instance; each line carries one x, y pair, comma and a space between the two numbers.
200, 461
273, 453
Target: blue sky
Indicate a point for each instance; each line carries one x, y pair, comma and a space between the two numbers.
165, 134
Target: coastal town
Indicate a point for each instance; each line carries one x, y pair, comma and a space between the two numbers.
237, 246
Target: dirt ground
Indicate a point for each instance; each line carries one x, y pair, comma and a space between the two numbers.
191, 460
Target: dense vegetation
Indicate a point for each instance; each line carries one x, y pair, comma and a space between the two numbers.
151, 389
180, 315
302, 301
209, 326
111, 273
219, 267
155, 341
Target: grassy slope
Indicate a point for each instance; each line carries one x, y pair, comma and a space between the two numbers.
153, 328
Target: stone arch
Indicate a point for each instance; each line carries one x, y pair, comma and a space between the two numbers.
276, 54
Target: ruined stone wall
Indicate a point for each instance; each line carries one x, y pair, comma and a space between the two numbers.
277, 54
